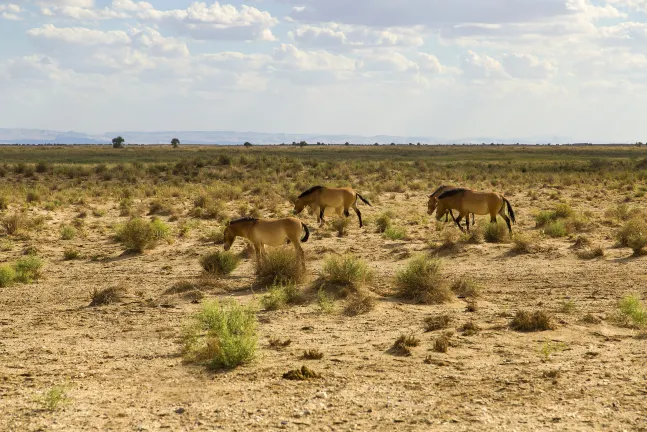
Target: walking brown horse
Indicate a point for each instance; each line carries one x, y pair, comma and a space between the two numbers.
468, 201
433, 200
272, 232
322, 197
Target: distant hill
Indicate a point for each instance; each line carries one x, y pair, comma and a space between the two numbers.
40, 136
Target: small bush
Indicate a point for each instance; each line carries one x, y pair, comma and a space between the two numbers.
71, 254
157, 207
219, 263
341, 226
347, 271
438, 322
359, 303
280, 266
475, 236
216, 236
100, 297
395, 233
544, 217
32, 197
221, 336
136, 235
7, 275
581, 242
422, 282
28, 269
160, 230
631, 312
54, 398
466, 287
523, 243
383, 222
470, 328
496, 232
556, 229
567, 307
441, 344
594, 252
312, 354
325, 301
633, 234
13, 223
4, 203
279, 296
68, 232
563, 211
403, 344
525, 321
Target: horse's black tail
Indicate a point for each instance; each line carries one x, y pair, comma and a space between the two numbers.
510, 211
363, 199
307, 234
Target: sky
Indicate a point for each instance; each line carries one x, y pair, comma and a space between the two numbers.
442, 68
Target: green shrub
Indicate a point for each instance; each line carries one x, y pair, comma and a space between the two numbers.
422, 282
27, 268
7, 275
563, 211
68, 232
395, 233
136, 235
278, 296
556, 229
466, 287
160, 230
544, 217
496, 232
633, 234
325, 301
346, 271
632, 312
525, 321
383, 222
71, 254
279, 266
341, 226
219, 263
4, 203
221, 336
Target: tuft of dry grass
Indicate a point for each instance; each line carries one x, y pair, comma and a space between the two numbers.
13, 223
441, 344
359, 303
633, 234
466, 287
302, 374
71, 254
341, 225
437, 322
470, 328
346, 271
496, 232
525, 321
219, 263
101, 297
279, 266
591, 253
403, 344
312, 354
524, 244
421, 281
278, 344
590, 319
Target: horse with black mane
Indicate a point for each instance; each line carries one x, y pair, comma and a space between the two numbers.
321, 197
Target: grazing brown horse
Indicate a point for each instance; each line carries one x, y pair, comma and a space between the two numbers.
273, 232
433, 200
322, 197
468, 201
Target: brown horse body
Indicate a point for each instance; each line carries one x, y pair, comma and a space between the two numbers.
322, 197
272, 232
467, 201
433, 200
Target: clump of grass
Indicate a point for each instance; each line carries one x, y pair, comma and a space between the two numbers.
567, 307
32, 197
403, 344
68, 232
449, 238
472, 306
347, 271
54, 397
544, 217
359, 303
28, 269
341, 226
437, 322
581, 242
136, 235
100, 297
470, 328
591, 253
219, 263
556, 229
631, 312
7, 275
394, 232
312, 354
523, 243
71, 254
157, 207
590, 319
441, 344
279, 266
422, 282
216, 236
4, 202
160, 230
475, 236
633, 234
302, 374
466, 287
277, 344
280, 295
222, 336
563, 210
325, 302
496, 232
383, 222
13, 223
525, 321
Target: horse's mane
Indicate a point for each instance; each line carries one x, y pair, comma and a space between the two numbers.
243, 219
451, 192
441, 187
309, 191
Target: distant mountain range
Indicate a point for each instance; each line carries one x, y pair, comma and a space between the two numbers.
39, 136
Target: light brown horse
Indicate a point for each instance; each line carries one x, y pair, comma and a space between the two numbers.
468, 201
272, 232
323, 197
329, 211
433, 200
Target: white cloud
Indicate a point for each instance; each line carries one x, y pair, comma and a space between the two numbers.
638, 5
336, 36
203, 22
479, 67
527, 66
10, 11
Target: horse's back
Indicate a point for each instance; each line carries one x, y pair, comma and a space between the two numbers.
337, 197
273, 232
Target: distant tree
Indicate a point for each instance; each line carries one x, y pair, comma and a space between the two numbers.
392, 143
118, 142
247, 144
175, 143
346, 143
303, 144
376, 144
418, 144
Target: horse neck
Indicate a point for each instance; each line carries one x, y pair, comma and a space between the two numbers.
241, 229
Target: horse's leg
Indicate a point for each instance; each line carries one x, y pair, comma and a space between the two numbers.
257, 250
458, 221
322, 209
301, 256
506, 219
473, 223
467, 222
315, 207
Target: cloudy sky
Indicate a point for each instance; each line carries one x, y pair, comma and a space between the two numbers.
446, 68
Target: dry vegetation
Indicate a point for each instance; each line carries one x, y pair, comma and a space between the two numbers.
119, 309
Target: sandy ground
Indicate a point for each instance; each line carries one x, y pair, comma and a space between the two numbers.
122, 369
